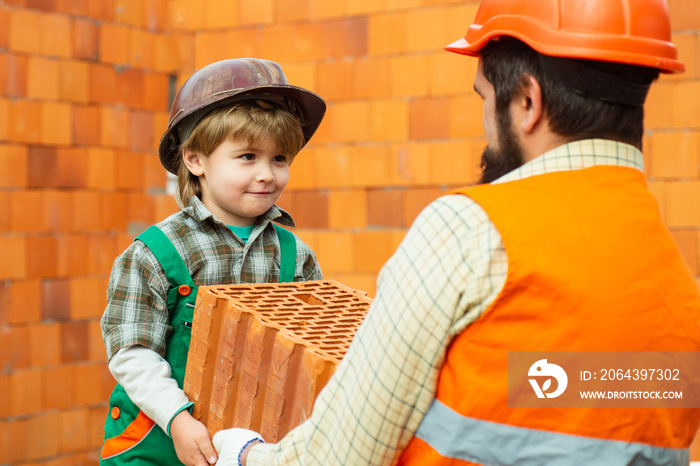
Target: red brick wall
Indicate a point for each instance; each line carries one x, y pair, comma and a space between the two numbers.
84, 89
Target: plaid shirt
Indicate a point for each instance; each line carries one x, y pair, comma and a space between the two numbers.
447, 271
137, 311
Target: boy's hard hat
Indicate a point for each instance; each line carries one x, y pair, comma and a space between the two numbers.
635, 32
228, 81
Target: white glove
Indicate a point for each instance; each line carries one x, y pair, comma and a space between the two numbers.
230, 443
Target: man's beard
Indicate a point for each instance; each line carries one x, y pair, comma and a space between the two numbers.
497, 162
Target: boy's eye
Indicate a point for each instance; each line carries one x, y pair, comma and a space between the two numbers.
280, 158
248, 156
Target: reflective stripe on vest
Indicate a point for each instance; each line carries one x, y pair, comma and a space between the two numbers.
490, 444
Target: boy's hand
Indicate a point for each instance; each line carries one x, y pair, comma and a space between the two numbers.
191, 439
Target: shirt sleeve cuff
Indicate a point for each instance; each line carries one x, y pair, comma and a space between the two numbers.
188, 407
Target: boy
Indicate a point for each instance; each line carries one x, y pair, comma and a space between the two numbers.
235, 127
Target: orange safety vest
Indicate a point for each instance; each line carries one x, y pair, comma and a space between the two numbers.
591, 267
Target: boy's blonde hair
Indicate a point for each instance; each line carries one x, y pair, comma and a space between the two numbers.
250, 120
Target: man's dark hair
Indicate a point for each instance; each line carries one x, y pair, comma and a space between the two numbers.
572, 114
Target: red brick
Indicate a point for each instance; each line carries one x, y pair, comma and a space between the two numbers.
221, 14
141, 47
411, 75
418, 199
41, 166
55, 35
24, 304
4, 403
96, 348
42, 436
85, 37
156, 14
23, 36
4, 119
44, 341
74, 81
89, 389
259, 12
387, 33
102, 251
4, 27
373, 249
291, 10
55, 300
59, 391
339, 116
335, 251
684, 14
14, 343
113, 214
101, 168
71, 167
139, 209
322, 9
455, 162
675, 154
41, 256
465, 117
46, 5
347, 209
210, 47
86, 211
13, 79
389, 120
429, 118
302, 330
86, 125
247, 43
129, 12
58, 210
154, 176
372, 77
73, 432
103, 84
24, 115
688, 243
22, 202
373, 166
141, 130
311, 209
349, 37
17, 158
71, 258
72, 7
56, 123
680, 212
13, 440
74, 341
14, 263
102, 10
155, 89
114, 124
112, 40
42, 78
25, 392
385, 208
336, 80
88, 298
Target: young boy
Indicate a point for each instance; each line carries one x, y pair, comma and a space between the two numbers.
235, 127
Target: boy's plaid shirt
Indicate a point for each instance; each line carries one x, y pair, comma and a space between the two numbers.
137, 311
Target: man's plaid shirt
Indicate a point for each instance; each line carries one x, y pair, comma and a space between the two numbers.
137, 311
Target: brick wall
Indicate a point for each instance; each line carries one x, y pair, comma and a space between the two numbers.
84, 92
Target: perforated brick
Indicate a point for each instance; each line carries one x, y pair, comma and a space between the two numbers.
261, 353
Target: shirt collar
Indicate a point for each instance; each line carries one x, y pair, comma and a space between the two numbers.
578, 155
197, 210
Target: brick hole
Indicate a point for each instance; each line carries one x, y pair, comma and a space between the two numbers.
309, 299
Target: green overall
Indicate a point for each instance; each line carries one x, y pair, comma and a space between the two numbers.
130, 436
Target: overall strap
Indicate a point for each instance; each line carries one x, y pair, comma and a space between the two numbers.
167, 255
288, 251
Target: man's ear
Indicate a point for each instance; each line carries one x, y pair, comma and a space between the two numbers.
193, 162
531, 104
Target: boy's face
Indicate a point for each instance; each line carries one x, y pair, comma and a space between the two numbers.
240, 181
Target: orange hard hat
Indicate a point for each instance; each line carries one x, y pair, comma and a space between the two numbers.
635, 32
228, 81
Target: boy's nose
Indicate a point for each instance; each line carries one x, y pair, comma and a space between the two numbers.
264, 173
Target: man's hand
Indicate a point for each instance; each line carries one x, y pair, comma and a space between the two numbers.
232, 443
191, 439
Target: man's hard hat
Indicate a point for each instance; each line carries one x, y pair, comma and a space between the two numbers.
634, 32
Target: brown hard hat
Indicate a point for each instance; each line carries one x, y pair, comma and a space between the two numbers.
228, 81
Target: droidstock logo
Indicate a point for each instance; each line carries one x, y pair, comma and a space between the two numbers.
542, 369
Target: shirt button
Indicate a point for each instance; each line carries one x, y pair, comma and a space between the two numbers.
115, 413
184, 290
